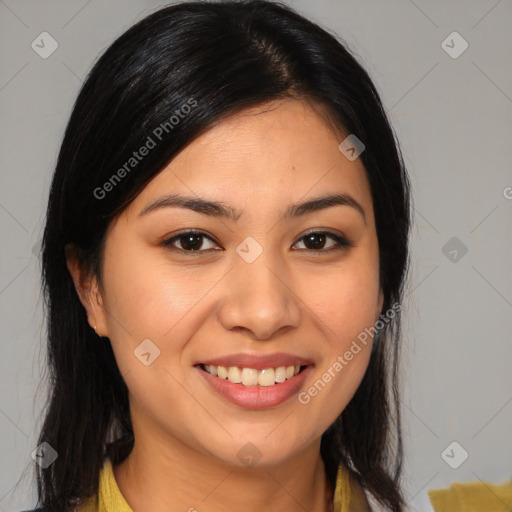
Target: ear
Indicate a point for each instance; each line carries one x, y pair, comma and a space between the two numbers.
87, 289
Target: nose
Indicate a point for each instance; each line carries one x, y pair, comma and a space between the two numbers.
259, 298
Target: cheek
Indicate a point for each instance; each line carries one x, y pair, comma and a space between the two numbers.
149, 300
147, 296
345, 303
345, 300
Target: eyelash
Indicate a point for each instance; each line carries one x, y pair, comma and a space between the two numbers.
342, 242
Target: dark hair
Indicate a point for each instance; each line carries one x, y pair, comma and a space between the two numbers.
216, 58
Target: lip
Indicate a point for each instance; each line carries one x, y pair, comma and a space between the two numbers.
258, 361
256, 397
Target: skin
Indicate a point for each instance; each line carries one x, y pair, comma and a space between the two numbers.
201, 305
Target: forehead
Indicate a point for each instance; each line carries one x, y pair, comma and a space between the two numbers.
264, 156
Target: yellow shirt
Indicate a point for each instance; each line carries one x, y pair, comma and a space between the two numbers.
348, 496
473, 497
110, 499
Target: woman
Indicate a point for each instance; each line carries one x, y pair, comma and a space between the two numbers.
224, 258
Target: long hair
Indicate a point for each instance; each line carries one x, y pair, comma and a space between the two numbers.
216, 58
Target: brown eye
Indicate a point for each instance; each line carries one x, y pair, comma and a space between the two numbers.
188, 241
316, 241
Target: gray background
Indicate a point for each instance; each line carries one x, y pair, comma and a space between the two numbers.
453, 117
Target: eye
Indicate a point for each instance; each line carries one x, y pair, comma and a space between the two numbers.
190, 241
315, 241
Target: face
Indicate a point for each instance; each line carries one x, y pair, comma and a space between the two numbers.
261, 289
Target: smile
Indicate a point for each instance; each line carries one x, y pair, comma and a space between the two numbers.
251, 388
253, 377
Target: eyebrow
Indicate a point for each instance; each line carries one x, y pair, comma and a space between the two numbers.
222, 210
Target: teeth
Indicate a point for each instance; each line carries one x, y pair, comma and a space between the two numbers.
234, 374
280, 374
251, 376
267, 377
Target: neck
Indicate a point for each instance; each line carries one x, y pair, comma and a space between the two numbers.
163, 474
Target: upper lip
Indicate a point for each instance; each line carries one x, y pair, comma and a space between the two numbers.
258, 362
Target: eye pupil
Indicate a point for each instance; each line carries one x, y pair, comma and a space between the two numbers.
191, 241
310, 240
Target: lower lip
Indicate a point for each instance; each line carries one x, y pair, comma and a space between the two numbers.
256, 397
